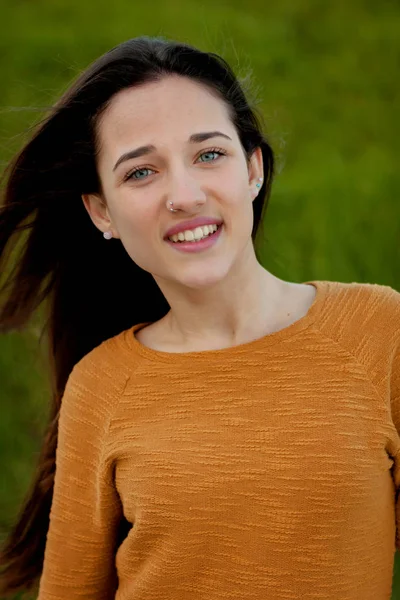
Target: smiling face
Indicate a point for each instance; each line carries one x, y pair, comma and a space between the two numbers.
203, 175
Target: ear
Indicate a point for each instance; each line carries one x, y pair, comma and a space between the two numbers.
255, 170
99, 213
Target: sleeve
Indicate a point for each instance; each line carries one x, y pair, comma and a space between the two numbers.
395, 408
86, 509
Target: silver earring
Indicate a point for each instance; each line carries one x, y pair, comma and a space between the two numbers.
108, 235
172, 209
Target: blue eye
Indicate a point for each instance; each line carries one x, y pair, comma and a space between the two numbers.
140, 170
210, 152
137, 171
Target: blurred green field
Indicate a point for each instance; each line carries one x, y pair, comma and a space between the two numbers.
326, 76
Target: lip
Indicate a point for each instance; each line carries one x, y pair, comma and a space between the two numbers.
192, 224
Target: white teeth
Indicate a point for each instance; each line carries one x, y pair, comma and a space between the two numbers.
193, 235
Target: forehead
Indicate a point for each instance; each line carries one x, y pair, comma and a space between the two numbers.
172, 108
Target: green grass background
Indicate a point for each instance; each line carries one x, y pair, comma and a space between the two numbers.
326, 74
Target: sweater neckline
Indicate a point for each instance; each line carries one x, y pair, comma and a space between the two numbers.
265, 341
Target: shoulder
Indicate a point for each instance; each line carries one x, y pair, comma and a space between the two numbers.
370, 304
97, 380
366, 290
363, 319
110, 356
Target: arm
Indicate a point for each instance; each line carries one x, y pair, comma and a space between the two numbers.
86, 509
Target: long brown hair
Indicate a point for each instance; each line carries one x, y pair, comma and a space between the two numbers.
60, 267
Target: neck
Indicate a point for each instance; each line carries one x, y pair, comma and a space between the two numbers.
228, 313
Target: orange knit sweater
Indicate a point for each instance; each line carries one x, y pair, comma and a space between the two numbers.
264, 471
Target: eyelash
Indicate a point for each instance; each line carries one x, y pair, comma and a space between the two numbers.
218, 151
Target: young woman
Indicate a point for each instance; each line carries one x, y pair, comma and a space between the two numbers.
216, 432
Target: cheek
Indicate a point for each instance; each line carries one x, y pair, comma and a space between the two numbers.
134, 227
138, 232
240, 210
236, 185
238, 198
131, 215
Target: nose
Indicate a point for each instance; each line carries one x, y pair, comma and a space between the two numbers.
185, 192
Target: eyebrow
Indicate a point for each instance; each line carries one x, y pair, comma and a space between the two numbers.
195, 138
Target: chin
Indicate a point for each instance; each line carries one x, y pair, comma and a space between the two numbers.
203, 278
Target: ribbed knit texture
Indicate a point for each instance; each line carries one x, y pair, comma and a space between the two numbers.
264, 471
